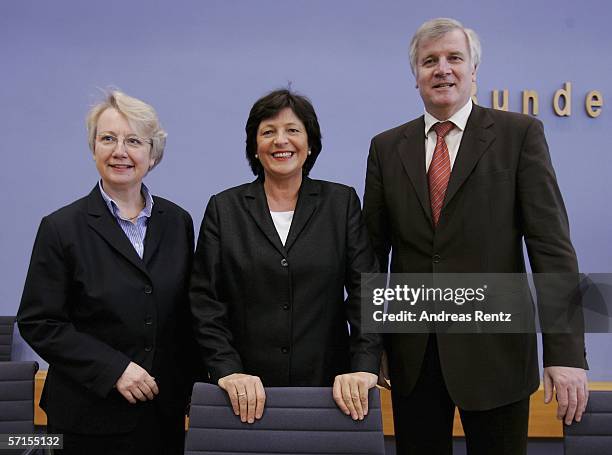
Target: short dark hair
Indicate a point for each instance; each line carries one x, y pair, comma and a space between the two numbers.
268, 107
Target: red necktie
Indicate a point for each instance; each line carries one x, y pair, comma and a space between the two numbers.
439, 170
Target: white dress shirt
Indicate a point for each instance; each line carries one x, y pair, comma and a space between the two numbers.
453, 138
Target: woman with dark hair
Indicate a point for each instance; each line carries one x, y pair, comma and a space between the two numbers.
273, 260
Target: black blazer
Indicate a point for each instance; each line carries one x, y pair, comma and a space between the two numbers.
502, 190
277, 311
90, 306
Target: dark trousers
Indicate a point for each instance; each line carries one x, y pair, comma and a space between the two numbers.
155, 434
424, 419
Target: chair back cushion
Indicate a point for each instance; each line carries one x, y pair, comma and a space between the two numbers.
593, 435
6, 337
296, 420
17, 397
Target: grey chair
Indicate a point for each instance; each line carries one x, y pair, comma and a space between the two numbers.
296, 420
593, 435
17, 399
6, 337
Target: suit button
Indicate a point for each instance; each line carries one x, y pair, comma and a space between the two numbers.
148, 348
148, 320
284, 350
285, 307
284, 262
436, 258
148, 289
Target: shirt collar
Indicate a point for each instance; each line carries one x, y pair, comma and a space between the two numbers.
114, 208
459, 118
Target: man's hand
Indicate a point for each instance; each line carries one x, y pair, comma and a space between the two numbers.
246, 394
136, 384
351, 393
383, 374
572, 391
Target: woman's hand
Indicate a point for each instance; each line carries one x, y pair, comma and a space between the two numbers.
351, 393
136, 384
246, 394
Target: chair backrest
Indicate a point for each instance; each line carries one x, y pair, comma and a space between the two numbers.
17, 397
593, 435
6, 337
296, 420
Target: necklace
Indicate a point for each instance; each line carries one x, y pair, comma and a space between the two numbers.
136, 216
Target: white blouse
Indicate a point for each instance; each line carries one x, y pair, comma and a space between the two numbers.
282, 223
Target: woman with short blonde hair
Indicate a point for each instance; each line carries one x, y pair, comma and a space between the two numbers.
105, 298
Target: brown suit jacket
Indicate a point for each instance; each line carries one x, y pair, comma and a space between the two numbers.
502, 190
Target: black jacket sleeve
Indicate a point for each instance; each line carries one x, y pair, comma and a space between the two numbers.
45, 324
209, 311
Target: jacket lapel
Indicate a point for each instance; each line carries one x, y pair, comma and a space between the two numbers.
257, 206
305, 208
476, 139
412, 156
155, 231
101, 220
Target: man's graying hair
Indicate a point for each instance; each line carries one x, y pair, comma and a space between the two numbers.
436, 28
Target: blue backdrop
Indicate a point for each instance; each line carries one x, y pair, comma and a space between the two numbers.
202, 64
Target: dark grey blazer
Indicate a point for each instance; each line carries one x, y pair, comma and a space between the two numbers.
502, 190
90, 305
279, 312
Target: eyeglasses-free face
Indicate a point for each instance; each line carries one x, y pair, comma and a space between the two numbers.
282, 145
122, 157
445, 74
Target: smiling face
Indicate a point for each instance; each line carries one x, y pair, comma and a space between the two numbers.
445, 73
121, 167
282, 145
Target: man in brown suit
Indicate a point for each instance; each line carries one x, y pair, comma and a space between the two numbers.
461, 197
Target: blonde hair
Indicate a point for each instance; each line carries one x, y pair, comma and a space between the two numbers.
141, 116
436, 28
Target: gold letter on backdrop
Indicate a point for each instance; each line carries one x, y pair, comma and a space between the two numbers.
533, 96
495, 102
593, 103
566, 93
